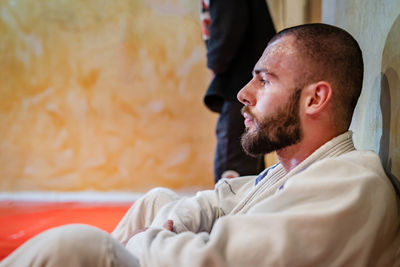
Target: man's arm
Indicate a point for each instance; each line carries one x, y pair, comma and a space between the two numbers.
195, 214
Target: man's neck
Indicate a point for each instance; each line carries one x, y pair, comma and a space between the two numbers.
293, 155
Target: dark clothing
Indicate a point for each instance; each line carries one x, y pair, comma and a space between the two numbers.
239, 33
236, 33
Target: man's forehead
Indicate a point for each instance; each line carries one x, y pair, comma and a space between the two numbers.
280, 49
282, 46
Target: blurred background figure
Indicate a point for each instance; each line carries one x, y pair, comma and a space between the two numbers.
235, 33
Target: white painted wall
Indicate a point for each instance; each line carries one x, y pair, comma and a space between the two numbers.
376, 26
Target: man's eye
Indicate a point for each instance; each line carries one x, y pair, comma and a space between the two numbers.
264, 82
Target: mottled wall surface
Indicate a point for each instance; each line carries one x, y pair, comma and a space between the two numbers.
376, 25
103, 95
288, 13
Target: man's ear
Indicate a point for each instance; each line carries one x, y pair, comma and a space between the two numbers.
318, 96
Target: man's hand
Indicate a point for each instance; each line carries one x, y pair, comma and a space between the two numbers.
212, 74
169, 225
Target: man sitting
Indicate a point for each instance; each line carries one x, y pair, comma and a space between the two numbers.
324, 204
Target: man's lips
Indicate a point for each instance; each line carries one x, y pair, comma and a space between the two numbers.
248, 120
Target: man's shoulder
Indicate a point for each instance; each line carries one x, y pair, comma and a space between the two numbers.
367, 159
356, 164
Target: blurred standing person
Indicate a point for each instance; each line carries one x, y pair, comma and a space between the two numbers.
235, 33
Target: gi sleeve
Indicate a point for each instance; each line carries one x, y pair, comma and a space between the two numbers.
195, 214
199, 213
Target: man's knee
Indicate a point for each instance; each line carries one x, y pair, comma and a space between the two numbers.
71, 245
75, 245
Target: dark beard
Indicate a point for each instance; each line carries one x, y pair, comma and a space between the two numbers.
276, 132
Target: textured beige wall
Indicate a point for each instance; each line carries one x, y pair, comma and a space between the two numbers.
103, 95
287, 13
376, 26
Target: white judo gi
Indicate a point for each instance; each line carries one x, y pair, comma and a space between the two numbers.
336, 208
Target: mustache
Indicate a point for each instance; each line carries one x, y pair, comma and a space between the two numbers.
245, 109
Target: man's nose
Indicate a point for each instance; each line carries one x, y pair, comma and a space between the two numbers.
246, 95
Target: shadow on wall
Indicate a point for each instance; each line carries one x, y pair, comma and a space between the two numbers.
389, 151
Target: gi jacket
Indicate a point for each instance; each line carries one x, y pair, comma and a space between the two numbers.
336, 208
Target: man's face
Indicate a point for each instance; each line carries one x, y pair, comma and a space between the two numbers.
272, 100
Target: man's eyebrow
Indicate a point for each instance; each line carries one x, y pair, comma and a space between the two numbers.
258, 71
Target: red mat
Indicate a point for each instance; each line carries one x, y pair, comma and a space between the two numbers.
20, 221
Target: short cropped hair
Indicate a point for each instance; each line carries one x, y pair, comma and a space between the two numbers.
333, 55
